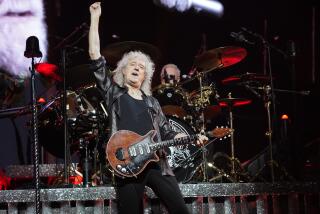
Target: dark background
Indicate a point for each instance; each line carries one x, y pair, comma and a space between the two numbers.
179, 37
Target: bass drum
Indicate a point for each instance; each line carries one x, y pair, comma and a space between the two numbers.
182, 159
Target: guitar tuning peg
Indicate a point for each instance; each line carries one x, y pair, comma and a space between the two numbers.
229, 135
225, 137
220, 139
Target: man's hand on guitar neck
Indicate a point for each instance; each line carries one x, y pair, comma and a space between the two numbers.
200, 141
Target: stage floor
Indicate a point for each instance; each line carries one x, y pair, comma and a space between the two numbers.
200, 198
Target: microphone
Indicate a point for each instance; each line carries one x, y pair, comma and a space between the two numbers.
32, 48
240, 37
211, 6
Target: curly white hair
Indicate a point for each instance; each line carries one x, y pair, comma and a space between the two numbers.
118, 72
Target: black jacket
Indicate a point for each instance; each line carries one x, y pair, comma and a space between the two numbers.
111, 93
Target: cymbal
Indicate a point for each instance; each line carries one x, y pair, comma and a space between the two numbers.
233, 102
79, 76
247, 77
114, 52
219, 58
48, 70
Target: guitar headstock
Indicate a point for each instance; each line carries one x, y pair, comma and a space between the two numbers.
221, 132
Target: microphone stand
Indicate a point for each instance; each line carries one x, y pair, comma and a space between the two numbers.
269, 95
65, 122
64, 100
35, 137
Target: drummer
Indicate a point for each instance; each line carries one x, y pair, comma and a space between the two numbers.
170, 73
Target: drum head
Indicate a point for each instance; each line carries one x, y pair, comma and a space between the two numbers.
172, 99
182, 159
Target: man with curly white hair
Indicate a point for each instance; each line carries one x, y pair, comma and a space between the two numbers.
131, 107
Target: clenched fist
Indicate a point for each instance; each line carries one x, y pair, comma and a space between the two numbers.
95, 10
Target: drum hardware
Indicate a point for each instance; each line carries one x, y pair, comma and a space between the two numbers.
85, 158
255, 82
172, 98
17, 111
48, 70
222, 164
215, 59
221, 174
219, 58
208, 103
246, 78
32, 51
230, 103
196, 160
267, 97
82, 119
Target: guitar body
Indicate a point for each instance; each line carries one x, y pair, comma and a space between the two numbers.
128, 153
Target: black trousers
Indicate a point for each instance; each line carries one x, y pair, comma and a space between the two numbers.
130, 192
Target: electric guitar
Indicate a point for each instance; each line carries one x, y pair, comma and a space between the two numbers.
128, 153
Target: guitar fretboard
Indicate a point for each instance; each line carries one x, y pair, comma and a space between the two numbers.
173, 142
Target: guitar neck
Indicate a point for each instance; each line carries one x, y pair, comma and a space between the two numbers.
173, 142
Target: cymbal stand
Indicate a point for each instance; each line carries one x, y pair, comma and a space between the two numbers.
269, 133
233, 172
203, 148
64, 50
65, 121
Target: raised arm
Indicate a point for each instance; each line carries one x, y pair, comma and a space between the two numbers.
94, 40
98, 64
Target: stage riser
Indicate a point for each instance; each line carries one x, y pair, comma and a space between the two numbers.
199, 205
227, 198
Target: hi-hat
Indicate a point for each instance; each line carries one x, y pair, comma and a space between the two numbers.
247, 77
219, 58
114, 52
48, 70
233, 102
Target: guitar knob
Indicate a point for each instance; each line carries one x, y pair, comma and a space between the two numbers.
123, 170
119, 167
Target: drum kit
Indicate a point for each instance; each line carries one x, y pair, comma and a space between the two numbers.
193, 111
187, 111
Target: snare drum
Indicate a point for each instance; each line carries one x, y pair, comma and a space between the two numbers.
172, 99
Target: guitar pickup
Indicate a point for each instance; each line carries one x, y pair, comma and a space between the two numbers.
147, 148
140, 150
132, 151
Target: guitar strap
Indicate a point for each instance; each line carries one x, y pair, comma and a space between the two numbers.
152, 113
166, 170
